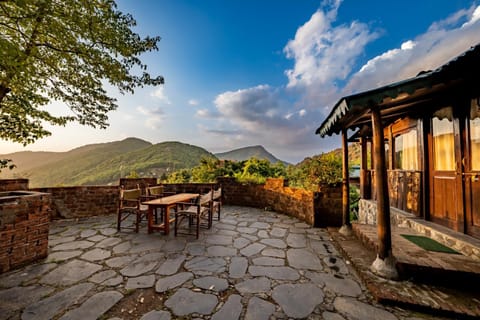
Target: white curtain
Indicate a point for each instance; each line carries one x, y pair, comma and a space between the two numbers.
406, 151
443, 144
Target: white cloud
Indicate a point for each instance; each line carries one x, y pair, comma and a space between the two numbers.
324, 53
154, 116
262, 115
326, 67
193, 102
159, 93
443, 41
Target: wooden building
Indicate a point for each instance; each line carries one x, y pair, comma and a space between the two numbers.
423, 137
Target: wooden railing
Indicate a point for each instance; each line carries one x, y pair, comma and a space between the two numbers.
404, 189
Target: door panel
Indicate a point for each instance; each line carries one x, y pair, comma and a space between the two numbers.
446, 190
445, 197
472, 172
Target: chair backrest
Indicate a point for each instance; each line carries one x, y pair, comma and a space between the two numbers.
205, 198
217, 194
155, 191
129, 196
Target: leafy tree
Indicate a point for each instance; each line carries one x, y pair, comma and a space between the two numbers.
324, 169
133, 175
180, 176
65, 50
258, 170
207, 171
6, 163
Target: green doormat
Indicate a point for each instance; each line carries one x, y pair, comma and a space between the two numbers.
428, 244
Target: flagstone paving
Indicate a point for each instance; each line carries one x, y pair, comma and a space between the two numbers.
253, 264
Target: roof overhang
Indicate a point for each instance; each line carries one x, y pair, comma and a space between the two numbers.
404, 97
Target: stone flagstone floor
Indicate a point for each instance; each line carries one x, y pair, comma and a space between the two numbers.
253, 264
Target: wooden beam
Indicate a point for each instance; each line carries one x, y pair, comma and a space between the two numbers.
345, 181
383, 205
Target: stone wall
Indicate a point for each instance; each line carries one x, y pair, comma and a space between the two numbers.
328, 207
24, 226
132, 183
13, 184
320, 209
85, 201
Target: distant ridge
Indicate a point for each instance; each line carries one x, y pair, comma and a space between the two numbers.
103, 163
246, 153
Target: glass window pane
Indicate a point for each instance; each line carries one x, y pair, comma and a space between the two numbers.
443, 140
475, 136
406, 151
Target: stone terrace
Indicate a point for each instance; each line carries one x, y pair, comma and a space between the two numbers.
253, 264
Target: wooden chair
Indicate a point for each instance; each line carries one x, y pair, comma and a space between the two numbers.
130, 203
194, 213
217, 202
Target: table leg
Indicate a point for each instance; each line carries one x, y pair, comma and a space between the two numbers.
150, 218
166, 221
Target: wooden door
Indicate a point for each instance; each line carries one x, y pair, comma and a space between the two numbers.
472, 172
446, 187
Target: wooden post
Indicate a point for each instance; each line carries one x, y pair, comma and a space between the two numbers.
384, 265
346, 228
364, 186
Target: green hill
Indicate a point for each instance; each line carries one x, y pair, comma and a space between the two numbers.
151, 161
246, 153
64, 168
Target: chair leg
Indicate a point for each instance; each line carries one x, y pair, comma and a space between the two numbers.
198, 225
119, 219
176, 224
139, 218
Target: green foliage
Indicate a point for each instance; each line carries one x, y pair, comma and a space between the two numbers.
180, 176
252, 170
133, 175
354, 198
65, 50
258, 170
324, 169
6, 163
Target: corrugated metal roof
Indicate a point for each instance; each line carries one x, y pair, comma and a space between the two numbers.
347, 108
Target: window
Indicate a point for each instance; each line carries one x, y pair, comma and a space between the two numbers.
443, 140
406, 151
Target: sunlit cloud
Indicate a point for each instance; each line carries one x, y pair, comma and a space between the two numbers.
159, 94
443, 41
324, 53
154, 116
327, 66
193, 102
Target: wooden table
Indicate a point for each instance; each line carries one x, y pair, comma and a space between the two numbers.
165, 203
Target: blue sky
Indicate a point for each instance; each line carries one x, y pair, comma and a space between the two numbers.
247, 72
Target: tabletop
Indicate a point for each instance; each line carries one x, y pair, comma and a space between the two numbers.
168, 200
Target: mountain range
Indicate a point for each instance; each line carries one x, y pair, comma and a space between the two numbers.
105, 163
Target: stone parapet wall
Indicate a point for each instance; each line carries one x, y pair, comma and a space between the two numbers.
13, 184
328, 207
132, 183
85, 201
315, 208
24, 226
